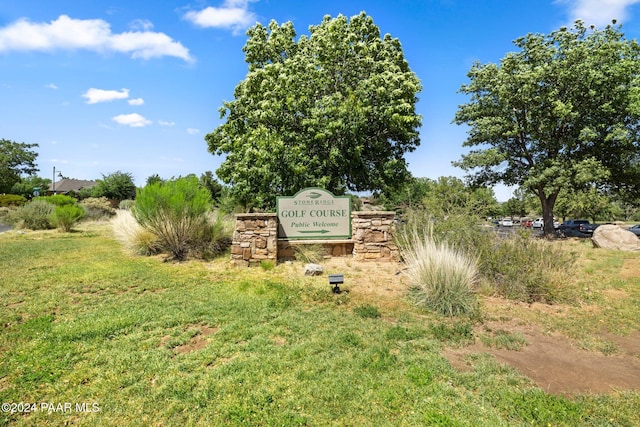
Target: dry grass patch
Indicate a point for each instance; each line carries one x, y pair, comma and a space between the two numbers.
630, 268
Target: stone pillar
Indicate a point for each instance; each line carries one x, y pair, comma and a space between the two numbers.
255, 238
373, 236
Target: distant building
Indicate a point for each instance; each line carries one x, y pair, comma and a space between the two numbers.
66, 186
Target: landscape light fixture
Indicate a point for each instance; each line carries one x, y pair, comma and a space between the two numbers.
54, 178
335, 280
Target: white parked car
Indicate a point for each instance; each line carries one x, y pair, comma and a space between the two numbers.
506, 222
539, 223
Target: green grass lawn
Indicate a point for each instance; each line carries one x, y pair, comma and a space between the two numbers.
93, 336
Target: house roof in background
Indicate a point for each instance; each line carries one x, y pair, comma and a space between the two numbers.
65, 185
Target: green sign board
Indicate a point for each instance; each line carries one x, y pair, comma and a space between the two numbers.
314, 213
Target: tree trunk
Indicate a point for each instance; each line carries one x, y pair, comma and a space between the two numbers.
548, 203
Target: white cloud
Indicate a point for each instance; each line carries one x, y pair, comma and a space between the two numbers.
51, 86
95, 96
88, 34
233, 14
133, 120
193, 131
136, 101
599, 12
141, 24
163, 123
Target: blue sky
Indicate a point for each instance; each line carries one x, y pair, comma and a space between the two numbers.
135, 86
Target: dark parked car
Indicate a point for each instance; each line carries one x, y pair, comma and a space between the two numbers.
577, 228
635, 229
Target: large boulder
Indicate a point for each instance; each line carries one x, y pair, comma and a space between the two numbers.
611, 236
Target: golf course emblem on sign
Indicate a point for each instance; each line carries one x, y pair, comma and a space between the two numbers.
314, 213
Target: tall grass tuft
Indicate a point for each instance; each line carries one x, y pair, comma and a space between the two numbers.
132, 236
442, 278
309, 253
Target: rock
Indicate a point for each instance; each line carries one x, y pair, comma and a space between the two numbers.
316, 270
611, 236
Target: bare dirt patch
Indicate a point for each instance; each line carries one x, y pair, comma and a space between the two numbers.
557, 366
553, 361
198, 342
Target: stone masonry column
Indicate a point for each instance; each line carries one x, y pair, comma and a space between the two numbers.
255, 238
373, 234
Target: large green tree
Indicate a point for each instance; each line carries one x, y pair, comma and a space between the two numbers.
561, 113
26, 185
335, 109
117, 185
16, 159
449, 195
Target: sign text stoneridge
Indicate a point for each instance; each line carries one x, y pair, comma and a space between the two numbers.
314, 213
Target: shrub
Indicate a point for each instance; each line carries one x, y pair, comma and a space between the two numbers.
65, 217
213, 237
442, 278
97, 207
12, 200
126, 204
34, 215
175, 212
519, 267
131, 234
527, 269
58, 199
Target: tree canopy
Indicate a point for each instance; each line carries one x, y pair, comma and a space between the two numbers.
16, 159
562, 112
335, 109
26, 185
117, 185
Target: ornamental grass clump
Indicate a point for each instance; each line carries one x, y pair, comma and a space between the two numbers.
132, 236
442, 278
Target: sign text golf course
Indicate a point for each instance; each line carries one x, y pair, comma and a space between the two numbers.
314, 213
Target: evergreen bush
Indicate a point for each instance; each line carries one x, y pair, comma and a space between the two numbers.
12, 200
58, 199
175, 212
65, 217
